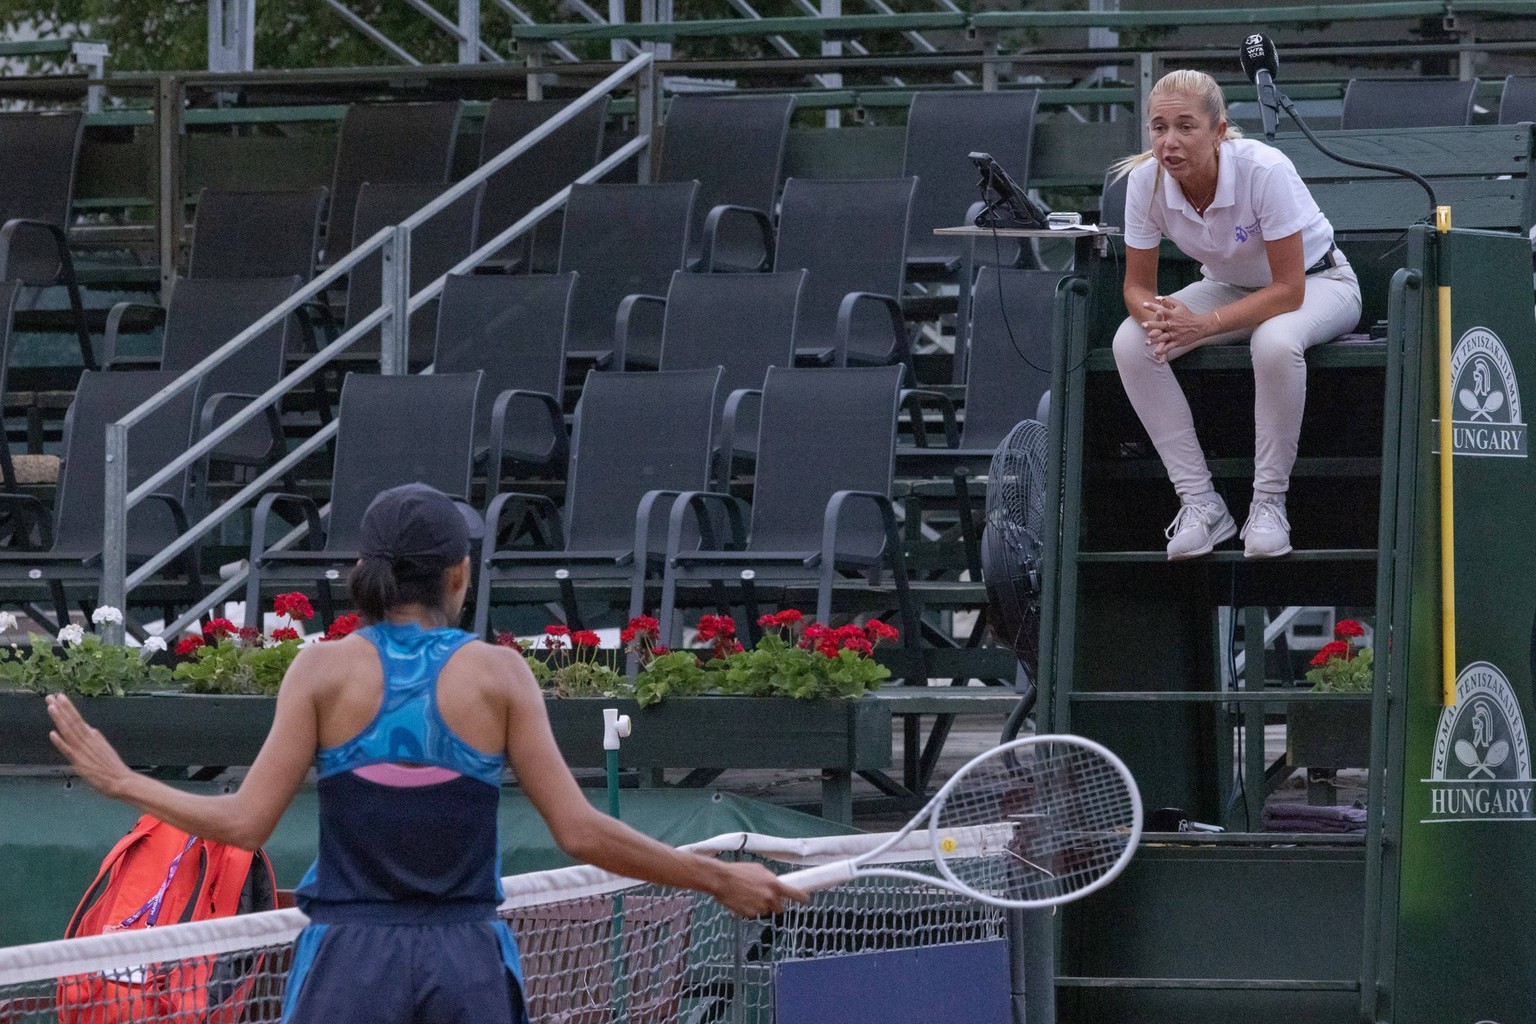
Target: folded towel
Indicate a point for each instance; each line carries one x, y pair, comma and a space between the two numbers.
1307, 818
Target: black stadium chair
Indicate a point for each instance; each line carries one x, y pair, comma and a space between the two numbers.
821, 499
8, 290
71, 539
256, 234
742, 323
38, 154
387, 144
1112, 200
621, 240
851, 236
436, 246
1407, 103
393, 430
548, 167
734, 148
639, 439
204, 314
1517, 102
1008, 364
942, 130
513, 330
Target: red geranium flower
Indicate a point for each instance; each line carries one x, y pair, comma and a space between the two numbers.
557, 630
508, 640
876, 631
644, 625
250, 635
187, 644
1347, 628
659, 649
218, 629
285, 633
1330, 650
585, 638
343, 625
712, 627
294, 606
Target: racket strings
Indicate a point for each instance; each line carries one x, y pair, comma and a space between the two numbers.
1066, 817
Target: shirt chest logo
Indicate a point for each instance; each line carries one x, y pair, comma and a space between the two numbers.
1243, 233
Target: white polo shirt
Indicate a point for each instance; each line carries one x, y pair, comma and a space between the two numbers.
1259, 198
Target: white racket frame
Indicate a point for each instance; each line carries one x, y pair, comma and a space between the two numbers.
980, 840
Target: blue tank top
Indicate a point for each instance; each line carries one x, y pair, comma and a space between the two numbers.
407, 808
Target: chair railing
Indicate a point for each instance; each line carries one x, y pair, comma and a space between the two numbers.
392, 317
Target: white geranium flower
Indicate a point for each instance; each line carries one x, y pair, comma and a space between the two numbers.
71, 634
106, 614
153, 645
7, 622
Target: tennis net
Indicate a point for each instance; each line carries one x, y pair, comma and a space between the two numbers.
596, 948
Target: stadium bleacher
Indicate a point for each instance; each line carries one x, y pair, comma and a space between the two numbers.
558, 344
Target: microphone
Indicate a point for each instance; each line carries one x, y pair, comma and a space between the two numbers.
1261, 63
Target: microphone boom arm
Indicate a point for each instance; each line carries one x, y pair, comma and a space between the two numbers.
1402, 172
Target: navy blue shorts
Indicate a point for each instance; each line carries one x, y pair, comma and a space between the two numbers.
458, 973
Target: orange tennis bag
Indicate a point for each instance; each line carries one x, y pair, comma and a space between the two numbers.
158, 875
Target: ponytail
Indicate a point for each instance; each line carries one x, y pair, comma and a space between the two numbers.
378, 583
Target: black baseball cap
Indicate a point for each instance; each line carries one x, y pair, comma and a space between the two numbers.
418, 521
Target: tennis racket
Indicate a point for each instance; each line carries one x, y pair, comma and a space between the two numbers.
1029, 824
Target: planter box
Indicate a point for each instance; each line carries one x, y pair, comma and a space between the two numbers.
147, 729
839, 737
1329, 732
730, 732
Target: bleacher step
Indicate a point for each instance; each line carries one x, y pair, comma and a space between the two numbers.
1234, 555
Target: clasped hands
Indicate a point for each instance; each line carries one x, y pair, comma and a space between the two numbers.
1173, 329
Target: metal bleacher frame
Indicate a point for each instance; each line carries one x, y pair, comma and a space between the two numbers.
164, 115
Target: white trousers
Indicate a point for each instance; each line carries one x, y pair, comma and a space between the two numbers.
1331, 307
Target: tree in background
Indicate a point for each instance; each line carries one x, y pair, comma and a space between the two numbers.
172, 35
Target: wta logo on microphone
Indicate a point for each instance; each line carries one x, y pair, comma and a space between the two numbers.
1254, 47
1485, 414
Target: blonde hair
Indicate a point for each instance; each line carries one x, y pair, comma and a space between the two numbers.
1198, 86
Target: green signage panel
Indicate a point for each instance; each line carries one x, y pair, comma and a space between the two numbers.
1466, 944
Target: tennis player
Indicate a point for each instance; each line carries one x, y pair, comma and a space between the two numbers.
409, 722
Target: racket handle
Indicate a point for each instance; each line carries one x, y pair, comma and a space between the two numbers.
824, 876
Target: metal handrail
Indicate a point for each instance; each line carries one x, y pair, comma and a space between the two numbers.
392, 315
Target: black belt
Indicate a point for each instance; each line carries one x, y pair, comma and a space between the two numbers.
1330, 260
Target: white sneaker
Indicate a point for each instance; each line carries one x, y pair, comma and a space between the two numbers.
1267, 533
1197, 529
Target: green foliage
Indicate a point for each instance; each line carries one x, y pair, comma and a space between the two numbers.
583, 677
87, 668
172, 35
674, 674
233, 666
1353, 674
774, 668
